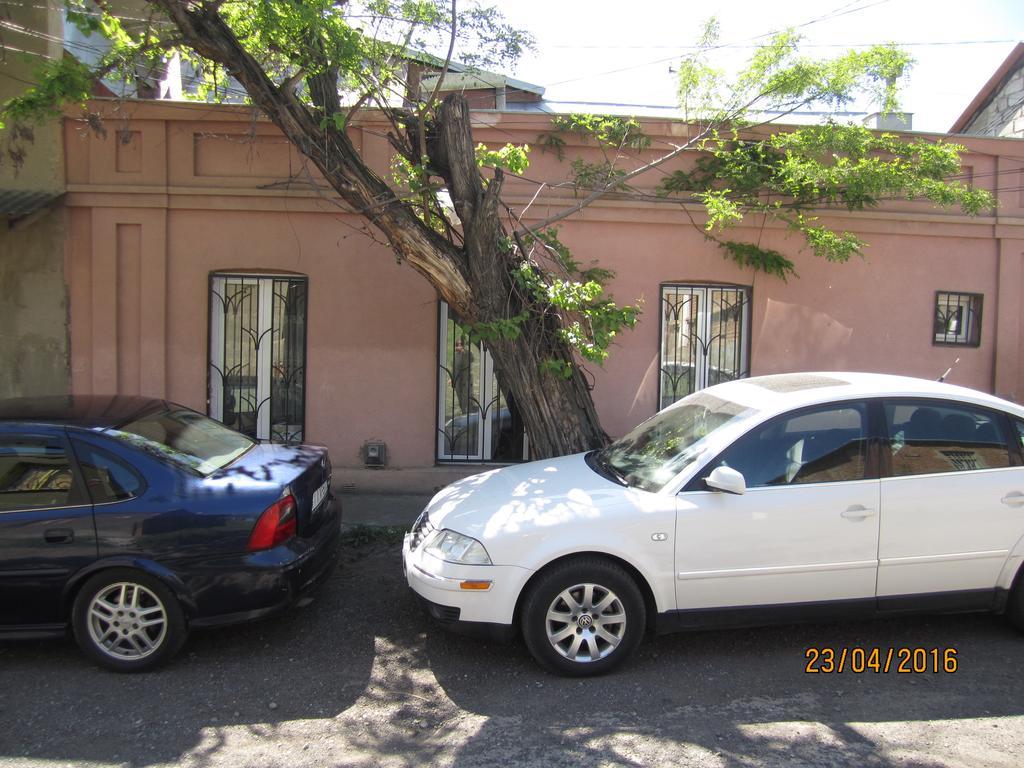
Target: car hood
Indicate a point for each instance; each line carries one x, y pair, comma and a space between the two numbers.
523, 498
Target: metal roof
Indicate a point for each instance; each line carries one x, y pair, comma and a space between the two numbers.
24, 202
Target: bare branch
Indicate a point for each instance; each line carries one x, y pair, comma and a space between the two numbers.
597, 194
293, 82
447, 61
421, 129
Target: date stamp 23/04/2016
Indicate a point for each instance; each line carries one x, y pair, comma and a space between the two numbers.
879, 660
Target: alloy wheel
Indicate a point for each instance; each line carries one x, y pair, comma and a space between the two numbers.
127, 621
585, 622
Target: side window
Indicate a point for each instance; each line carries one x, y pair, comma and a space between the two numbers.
107, 478
824, 445
926, 437
34, 474
1020, 434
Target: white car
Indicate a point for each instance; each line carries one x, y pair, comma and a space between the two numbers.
788, 497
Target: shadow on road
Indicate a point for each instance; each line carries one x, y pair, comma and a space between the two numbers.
739, 697
364, 677
312, 662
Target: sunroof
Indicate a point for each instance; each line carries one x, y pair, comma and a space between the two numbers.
794, 382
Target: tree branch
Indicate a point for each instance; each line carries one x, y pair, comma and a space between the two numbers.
597, 194
421, 129
330, 151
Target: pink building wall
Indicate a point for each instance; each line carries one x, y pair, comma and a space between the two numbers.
174, 192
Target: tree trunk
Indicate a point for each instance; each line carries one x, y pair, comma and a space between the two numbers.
476, 279
558, 412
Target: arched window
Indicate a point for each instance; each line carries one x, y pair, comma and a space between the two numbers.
257, 378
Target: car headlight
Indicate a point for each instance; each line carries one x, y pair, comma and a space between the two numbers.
456, 548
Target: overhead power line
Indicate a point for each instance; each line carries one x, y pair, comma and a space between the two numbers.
843, 10
687, 48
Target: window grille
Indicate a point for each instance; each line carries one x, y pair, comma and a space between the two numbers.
257, 379
958, 318
477, 420
704, 338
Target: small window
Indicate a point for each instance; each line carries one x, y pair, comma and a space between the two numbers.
821, 446
931, 437
958, 318
1020, 434
34, 474
108, 479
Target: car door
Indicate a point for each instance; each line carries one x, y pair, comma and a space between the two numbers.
952, 504
805, 530
46, 527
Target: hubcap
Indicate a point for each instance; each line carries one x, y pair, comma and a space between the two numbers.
585, 622
127, 621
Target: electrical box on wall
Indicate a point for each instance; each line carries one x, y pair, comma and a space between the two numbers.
375, 454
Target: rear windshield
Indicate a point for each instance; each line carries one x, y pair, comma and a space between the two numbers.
186, 438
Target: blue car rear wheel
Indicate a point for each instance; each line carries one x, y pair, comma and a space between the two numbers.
127, 620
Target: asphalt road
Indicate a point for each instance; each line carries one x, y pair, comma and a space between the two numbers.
361, 678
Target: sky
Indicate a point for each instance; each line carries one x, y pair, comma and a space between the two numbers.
622, 51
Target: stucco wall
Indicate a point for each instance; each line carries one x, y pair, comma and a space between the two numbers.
33, 294
33, 334
873, 314
155, 211
43, 165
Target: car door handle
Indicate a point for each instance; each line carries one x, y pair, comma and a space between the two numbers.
857, 512
1014, 499
58, 535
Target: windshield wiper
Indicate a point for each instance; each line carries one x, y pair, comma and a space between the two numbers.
605, 467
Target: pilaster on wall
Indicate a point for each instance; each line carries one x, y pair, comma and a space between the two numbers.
119, 282
1009, 358
1008, 366
127, 347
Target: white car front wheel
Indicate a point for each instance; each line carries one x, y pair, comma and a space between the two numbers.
583, 617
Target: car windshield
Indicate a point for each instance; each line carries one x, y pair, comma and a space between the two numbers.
186, 438
664, 445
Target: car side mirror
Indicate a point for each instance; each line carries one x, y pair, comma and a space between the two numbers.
726, 479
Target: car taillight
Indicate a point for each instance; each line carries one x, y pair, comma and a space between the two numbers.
275, 526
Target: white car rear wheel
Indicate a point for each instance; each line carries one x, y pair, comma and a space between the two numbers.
1015, 602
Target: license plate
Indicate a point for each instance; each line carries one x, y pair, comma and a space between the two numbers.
321, 494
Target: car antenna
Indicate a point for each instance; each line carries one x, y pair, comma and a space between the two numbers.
948, 370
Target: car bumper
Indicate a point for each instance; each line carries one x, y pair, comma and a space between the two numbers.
441, 586
250, 586
449, 618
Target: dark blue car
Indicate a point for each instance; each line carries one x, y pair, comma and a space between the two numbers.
134, 520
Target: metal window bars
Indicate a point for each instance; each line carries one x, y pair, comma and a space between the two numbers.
704, 338
258, 354
477, 420
957, 318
